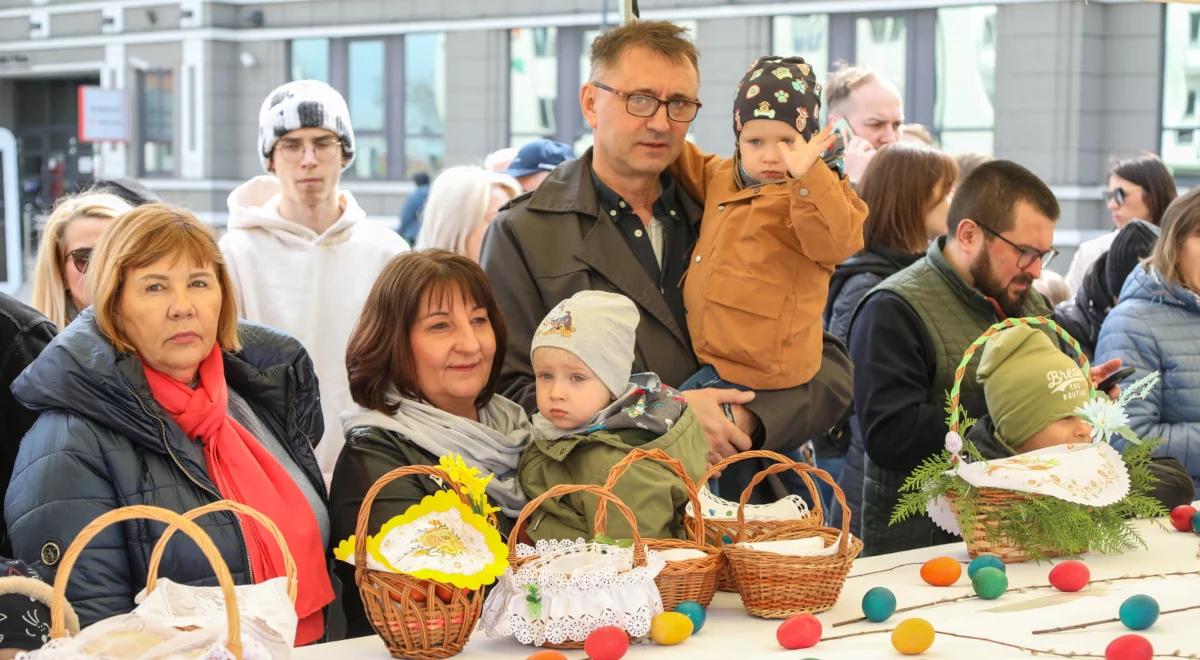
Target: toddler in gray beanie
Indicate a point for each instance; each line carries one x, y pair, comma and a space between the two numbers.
592, 411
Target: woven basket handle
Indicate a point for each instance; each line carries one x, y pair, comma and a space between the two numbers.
1080, 358
364, 510
802, 469
639, 550
289, 564
675, 465
233, 640
774, 456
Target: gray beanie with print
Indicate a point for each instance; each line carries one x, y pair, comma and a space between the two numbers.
597, 327
303, 104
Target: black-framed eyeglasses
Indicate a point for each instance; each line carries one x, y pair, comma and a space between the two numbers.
81, 257
644, 105
1029, 254
1116, 194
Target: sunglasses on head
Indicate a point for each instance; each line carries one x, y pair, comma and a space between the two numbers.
81, 258
1117, 195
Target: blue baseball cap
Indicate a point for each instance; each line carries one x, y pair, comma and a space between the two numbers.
539, 156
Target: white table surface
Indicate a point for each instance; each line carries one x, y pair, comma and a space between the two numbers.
732, 633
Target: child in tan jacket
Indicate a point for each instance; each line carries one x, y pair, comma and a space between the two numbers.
777, 220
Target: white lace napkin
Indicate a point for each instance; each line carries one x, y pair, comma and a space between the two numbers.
573, 588
792, 507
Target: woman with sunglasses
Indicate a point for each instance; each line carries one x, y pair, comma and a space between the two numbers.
74, 228
1139, 188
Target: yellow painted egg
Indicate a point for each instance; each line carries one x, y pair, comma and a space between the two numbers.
913, 636
941, 572
670, 628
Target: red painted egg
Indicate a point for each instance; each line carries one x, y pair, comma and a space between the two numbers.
607, 643
1181, 517
1070, 575
799, 632
1129, 647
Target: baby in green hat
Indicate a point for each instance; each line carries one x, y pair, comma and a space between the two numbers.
1032, 390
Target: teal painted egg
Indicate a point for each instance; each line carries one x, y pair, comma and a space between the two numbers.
1139, 612
985, 560
694, 611
879, 604
989, 582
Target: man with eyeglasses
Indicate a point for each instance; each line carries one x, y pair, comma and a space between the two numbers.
613, 220
300, 250
908, 335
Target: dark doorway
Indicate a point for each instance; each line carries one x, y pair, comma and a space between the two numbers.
51, 160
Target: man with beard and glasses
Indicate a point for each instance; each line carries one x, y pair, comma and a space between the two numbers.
908, 335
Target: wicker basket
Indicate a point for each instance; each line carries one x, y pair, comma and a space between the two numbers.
405, 611
985, 537
716, 531
58, 629
289, 564
776, 586
685, 579
514, 562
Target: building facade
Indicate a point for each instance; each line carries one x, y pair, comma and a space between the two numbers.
1056, 85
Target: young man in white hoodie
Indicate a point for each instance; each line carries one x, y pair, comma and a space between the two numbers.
300, 251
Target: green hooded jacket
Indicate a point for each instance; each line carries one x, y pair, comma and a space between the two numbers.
650, 489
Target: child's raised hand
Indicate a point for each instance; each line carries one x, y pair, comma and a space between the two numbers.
801, 154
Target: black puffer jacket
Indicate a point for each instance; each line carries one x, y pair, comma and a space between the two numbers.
854, 278
1083, 315
103, 442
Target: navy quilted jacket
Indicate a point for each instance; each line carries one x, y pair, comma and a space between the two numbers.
103, 442
1156, 327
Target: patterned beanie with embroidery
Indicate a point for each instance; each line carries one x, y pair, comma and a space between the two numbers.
1028, 383
784, 89
597, 327
781, 88
303, 104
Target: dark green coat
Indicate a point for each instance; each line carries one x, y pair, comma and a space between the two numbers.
656, 496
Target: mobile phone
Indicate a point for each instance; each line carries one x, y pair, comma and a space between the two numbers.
1117, 376
842, 126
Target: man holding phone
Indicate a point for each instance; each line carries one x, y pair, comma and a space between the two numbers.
867, 110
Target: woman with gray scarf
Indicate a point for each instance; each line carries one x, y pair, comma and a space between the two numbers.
423, 364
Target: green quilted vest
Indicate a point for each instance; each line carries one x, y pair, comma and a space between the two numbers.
954, 314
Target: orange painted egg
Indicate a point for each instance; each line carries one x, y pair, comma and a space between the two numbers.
941, 572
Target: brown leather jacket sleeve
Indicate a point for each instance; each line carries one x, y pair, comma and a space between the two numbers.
520, 302
790, 417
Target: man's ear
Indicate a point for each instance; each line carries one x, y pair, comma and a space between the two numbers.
968, 233
587, 103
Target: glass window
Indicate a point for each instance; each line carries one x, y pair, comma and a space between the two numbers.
965, 61
310, 59
805, 36
532, 83
366, 98
157, 92
1181, 85
424, 102
881, 42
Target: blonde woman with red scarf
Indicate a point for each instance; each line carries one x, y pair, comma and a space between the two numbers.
157, 395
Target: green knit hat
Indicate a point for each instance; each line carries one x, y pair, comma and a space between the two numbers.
1029, 383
